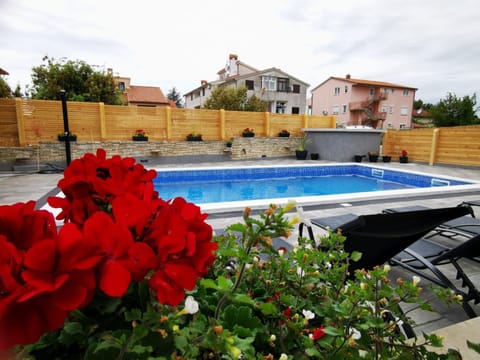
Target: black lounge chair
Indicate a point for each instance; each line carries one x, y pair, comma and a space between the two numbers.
466, 226
387, 237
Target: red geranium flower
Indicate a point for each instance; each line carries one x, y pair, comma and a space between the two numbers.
318, 333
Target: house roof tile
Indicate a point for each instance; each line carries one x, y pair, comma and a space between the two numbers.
367, 83
146, 94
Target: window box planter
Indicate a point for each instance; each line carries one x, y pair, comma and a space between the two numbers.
194, 137
139, 138
64, 137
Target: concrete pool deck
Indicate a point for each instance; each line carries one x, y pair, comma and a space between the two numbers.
18, 187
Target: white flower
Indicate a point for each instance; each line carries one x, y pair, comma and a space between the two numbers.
273, 338
355, 333
283, 357
290, 205
191, 305
300, 271
387, 268
415, 280
302, 217
309, 315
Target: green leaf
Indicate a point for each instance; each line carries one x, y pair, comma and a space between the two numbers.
330, 330
474, 346
209, 284
243, 298
355, 256
224, 284
268, 308
133, 314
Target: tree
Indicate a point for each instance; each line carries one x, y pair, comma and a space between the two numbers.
454, 111
230, 98
176, 97
77, 78
419, 104
5, 90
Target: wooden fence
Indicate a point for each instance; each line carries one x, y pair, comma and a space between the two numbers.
27, 122
458, 145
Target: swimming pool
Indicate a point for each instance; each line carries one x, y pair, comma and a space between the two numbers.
234, 188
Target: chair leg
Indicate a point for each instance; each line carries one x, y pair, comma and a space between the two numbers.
309, 229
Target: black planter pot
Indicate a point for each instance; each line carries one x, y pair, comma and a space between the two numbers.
403, 159
386, 159
248, 134
283, 134
373, 158
358, 158
301, 154
194, 138
139, 138
64, 137
315, 156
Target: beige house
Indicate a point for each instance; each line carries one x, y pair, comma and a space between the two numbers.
149, 96
283, 92
357, 102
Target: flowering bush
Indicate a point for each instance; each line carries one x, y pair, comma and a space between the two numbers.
404, 153
111, 284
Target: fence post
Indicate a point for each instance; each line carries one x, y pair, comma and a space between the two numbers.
103, 127
333, 121
305, 121
168, 121
20, 122
433, 147
222, 124
266, 124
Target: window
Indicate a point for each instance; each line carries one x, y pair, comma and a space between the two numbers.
346, 88
403, 126
392, 90
404, 110
121, 86
269, 83
295, 110
389, 126
372, 91
385, 90
390, 109
405, 92
344, 109
282, 84
249, 84
296, 89
335, 110
203, 91
383, 109
280, 107
336, 91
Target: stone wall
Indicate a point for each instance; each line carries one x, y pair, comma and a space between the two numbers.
12, 158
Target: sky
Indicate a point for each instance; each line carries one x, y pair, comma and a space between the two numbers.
431, 45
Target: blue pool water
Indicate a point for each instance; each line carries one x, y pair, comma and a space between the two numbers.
237, 184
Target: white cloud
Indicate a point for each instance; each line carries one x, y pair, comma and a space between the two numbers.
431, 45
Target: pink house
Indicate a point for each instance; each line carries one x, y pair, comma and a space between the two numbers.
358, 102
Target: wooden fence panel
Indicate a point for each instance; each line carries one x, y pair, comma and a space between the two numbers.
8, 123
187, 121
236, 121
291, 123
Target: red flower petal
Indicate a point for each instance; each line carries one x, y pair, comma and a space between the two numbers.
115, 279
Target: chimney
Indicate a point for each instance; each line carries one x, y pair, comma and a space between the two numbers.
347, 77
203, 82
233, 57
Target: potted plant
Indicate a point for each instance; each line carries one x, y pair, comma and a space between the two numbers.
284, 133
64, 136
358, 158
404, 157
140, 135
373, 156
386, 158
194, 137
315, 156
229, 143
248, 132
302, 152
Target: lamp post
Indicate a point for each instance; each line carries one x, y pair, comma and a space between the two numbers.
65, 127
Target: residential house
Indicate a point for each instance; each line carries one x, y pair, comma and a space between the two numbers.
149, 96
284, 93
3, 72
358, 102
